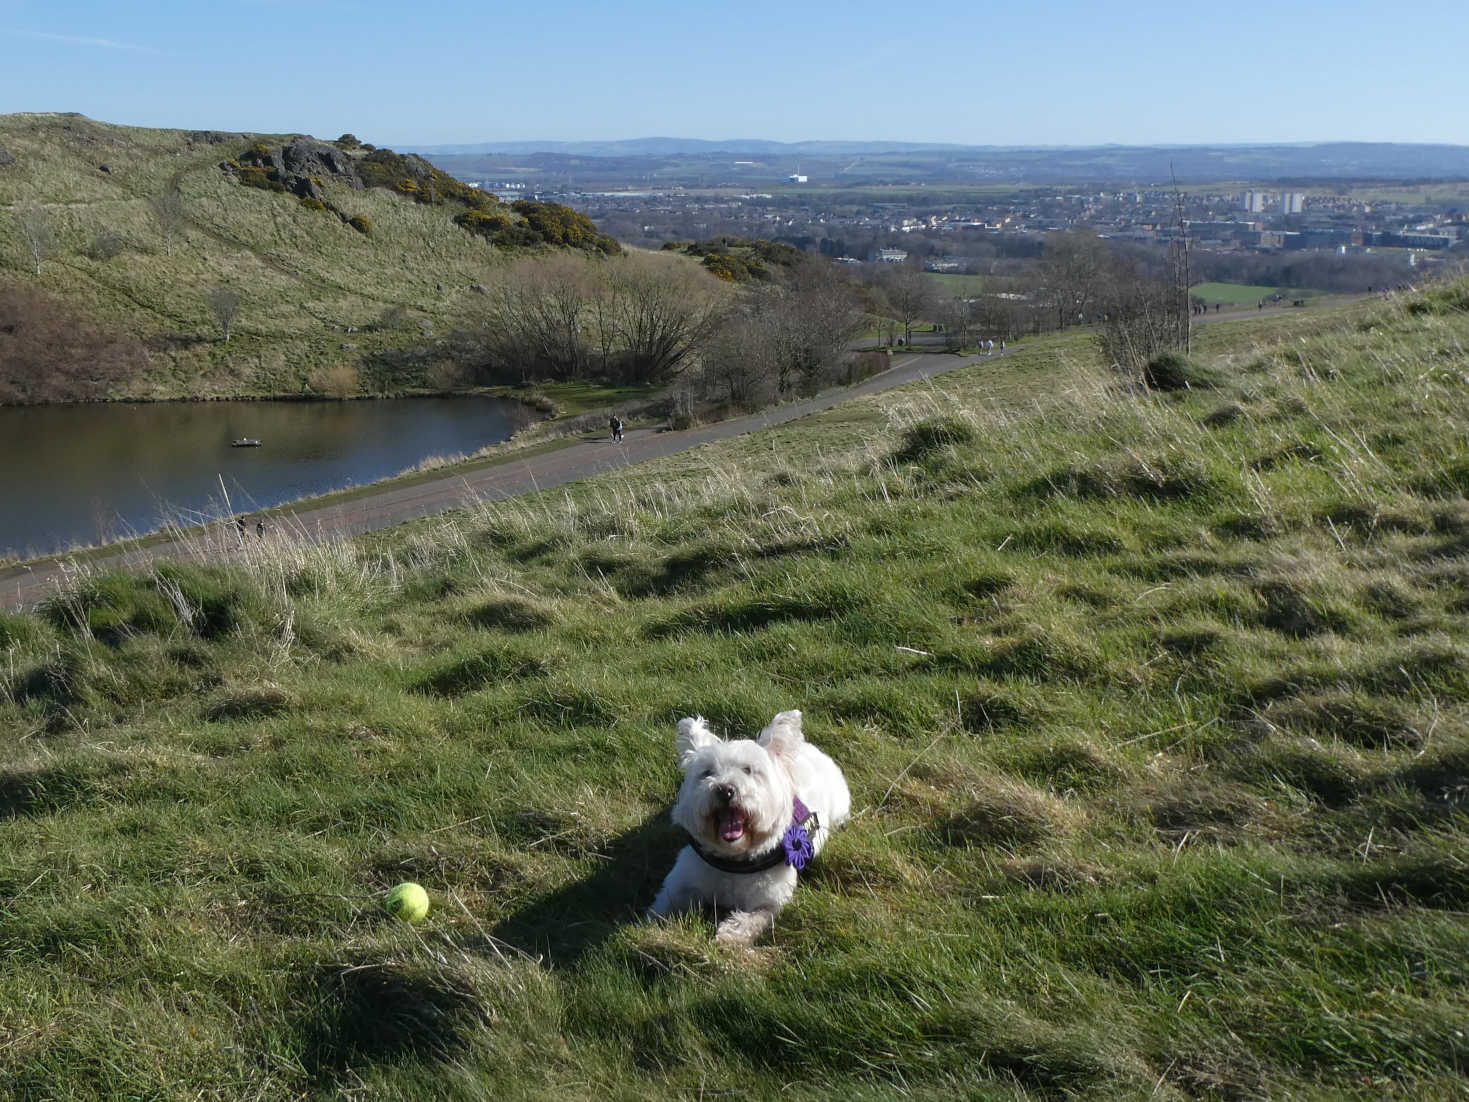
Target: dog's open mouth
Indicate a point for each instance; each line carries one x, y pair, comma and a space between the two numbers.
731, 824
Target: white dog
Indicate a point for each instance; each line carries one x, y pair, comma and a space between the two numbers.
756, 811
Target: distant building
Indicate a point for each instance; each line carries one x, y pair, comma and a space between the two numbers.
891, 256
1221, 230
796, 178
1292, 202
1253, 201
1411, 240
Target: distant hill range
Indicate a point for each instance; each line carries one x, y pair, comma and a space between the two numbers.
1113, 163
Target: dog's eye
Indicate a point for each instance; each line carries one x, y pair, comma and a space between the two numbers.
704, 776
747, 770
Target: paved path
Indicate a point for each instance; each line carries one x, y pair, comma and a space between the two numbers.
26, 585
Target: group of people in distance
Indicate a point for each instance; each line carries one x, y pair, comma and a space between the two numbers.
616, 425
260, 528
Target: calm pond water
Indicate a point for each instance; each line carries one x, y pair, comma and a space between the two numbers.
90, 473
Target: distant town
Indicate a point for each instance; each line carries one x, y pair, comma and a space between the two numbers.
1369, 230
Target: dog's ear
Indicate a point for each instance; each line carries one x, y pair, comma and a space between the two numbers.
783, 737
693, 736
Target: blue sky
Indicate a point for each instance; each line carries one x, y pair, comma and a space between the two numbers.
1051, 72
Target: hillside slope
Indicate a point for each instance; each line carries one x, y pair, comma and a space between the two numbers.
1154, 706
314, 292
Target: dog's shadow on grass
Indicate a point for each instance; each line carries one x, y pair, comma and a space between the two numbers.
560, 928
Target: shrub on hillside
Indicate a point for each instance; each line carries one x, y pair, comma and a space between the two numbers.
394, 318
107, 245
1175, 371
312, 204
482, 223
341, 381
555, 224
266, 179
413, 176
49, 352
929, 437
361, 223
739, 259
728, 267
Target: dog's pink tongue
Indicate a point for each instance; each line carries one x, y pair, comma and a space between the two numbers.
731, 825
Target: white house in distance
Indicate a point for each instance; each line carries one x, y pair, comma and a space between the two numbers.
797, 177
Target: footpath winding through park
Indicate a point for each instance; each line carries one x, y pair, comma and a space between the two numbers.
30, 583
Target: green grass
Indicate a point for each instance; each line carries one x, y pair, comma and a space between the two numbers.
954, 283
1155, 709
1240, 294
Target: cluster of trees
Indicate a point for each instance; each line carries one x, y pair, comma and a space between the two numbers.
52, 353
647, 319
784, 338
639, 318
1135, 300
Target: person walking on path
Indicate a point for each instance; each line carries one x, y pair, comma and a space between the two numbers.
616, 430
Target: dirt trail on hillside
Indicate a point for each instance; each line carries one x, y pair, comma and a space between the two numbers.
28, 584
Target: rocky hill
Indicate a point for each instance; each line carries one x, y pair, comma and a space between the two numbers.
215, 263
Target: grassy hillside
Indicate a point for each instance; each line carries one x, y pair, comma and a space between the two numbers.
304, 276
1155, 710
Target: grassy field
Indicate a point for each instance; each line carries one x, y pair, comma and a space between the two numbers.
1155, 709
956, 283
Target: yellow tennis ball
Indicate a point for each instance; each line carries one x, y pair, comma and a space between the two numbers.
408, 901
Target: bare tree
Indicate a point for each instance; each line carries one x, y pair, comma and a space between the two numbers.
960, 316
537, 317
640, 318
1141, 323
50, 351
224, 303
666, 307
740, 366
1179, 262
908, 292
34, 223
169, 213
785, 339
1073, 269
817, 317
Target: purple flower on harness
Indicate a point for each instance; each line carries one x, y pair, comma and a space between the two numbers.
796, 841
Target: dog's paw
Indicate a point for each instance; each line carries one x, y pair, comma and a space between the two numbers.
740, 929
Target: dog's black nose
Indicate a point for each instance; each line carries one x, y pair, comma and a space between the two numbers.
726, 792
